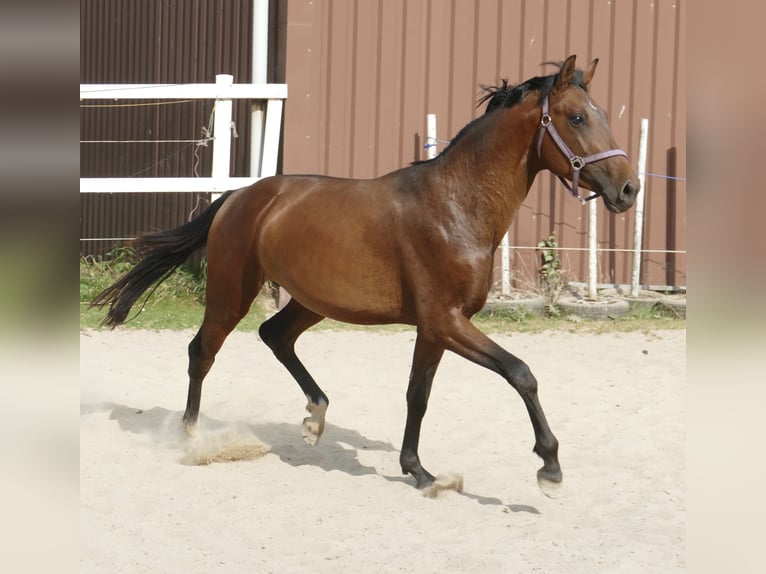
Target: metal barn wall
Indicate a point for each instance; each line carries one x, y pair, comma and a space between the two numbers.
145, 41
363, 74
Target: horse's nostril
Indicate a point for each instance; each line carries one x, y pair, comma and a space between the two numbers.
629, 190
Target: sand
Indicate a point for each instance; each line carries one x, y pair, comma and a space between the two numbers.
247, 494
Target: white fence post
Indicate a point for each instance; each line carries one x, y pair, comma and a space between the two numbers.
222, 111
638, 230
259, 76
592, 249
431, 151
505, 264
271, 138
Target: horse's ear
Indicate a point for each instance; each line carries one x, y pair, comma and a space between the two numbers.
587, 75
566, 73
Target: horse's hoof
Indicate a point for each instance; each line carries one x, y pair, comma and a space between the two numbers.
423, 478
310, 432
549, 482
423, 482
190, 429
313, 426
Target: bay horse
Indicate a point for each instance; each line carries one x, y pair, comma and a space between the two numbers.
414, 246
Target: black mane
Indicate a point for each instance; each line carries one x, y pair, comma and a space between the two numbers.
509, 95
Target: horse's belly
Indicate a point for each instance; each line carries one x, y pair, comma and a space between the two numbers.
348, 299
340, 288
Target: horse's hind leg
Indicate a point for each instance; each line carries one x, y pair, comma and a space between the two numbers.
425, 360
280, 333
228, 299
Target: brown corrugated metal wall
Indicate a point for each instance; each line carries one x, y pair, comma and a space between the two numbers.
363, 74
145, 42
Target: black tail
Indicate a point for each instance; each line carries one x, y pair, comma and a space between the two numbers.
161, 254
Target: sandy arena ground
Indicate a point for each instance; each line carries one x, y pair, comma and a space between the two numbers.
615, 402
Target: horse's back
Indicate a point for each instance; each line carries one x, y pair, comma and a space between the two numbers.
331, 242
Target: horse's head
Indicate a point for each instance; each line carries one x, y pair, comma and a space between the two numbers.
575, 141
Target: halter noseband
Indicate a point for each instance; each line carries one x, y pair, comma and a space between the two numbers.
546, 124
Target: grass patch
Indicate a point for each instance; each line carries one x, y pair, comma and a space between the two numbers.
641, 321
178, 303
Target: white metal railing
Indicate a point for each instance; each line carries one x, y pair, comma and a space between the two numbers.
223, 91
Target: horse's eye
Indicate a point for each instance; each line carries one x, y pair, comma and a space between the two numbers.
577, 119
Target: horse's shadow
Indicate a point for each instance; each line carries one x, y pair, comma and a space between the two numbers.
338, 449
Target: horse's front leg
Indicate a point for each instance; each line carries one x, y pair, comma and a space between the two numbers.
424, 363
460, 336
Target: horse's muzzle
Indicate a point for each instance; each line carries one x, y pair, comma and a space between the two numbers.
624, 199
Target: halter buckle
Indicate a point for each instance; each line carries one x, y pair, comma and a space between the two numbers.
577, 162
546, 120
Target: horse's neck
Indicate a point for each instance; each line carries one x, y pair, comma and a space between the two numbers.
490, 167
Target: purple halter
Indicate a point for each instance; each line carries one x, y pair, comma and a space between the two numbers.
546, 124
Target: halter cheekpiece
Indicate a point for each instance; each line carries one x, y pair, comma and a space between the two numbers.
578, 162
